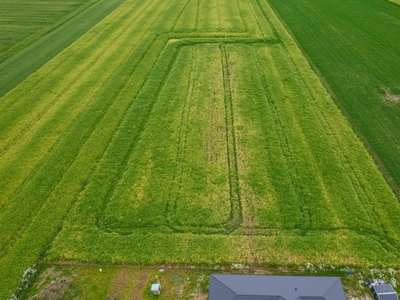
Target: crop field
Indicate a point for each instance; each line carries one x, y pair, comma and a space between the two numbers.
22, 22
355, 46
185, 132
22, 27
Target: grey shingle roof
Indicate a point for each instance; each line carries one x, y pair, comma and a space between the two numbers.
384, 292
262, 287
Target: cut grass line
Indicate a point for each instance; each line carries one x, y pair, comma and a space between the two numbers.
179, 15
236, 216
98, 174
205, 193
267, 195
289, 163
197, 16
239, 9
219, 28
135, 140
260, 30
267, 18
264, 27
182, 140
122, 104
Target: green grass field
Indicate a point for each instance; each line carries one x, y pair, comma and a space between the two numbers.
355, 46
39, 46
185, 132
22, 22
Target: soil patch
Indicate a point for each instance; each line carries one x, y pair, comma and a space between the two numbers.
55, 284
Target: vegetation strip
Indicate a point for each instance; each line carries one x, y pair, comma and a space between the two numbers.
17, 68
355, 53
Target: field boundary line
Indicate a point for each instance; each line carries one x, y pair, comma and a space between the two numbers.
236, 216
284, 145
182, 140
137, 138
179, 15
196, 26
244, 23
274, 30
218, 16
256, 19
380, 161
357, 186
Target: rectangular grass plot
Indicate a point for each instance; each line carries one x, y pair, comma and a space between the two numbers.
202, 192
179, 169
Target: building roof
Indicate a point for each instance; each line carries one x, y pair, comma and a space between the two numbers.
384, 292
262, 287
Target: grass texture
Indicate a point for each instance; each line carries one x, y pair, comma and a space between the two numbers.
187, 132
32, 34
355, 47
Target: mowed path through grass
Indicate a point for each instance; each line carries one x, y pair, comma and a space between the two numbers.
174, 131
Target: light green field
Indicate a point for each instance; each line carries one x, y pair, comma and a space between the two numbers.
185, 133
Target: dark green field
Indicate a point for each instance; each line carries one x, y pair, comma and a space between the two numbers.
355, 46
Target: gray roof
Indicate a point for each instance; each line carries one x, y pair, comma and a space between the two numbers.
384, 292
263, 287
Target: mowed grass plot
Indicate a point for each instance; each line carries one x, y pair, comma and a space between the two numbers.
185, 132
355, 46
